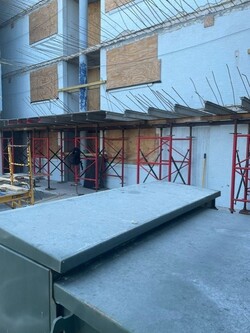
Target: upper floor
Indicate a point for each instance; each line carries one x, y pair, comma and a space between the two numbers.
138, 54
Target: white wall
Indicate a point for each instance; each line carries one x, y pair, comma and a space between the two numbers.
140, 14
193, 55
214, 172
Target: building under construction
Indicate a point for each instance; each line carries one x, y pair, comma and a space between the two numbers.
147, 90
150, 99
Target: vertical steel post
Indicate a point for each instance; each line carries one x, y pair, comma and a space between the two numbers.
76, 141
233, 168
61, 156
48, 158
83, 44
138, 160
190, 155
170, 154
96, 161
123, 157
246, 175
161, 149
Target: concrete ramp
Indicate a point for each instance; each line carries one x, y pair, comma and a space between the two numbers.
64, 234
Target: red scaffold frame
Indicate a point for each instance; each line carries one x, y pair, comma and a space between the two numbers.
169, 167
114, 156
240, 167
44, 165
40, 156
89, 169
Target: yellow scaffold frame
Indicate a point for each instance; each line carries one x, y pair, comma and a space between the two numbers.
11, 194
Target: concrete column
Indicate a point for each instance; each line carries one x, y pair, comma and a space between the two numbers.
83, 43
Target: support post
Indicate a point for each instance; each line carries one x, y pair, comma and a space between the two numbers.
83, 44
123, 157
233, 168
190, 155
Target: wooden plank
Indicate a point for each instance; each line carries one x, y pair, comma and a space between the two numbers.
12, 188
54, 143
44, 84
133, 64
94, 23
94, 92
43, 22
132, 141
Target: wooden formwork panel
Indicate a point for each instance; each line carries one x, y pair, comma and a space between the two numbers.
93, 92
131, 141
133, 64
112, 4
94, 23
43, 22
44, 84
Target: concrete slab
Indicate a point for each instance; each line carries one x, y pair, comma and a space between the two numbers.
188, 276
64, 234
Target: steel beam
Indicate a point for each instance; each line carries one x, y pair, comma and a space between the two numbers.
159, 113
217, 109
187, 111
245, 104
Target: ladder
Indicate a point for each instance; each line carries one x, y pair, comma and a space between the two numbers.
16, 195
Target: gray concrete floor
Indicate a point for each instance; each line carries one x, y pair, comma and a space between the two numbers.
57, 190
188, 276
200, 263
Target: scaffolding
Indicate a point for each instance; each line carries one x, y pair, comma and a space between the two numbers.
20, 187
5, 158
113, 153
100, 158
240, 180
165, 160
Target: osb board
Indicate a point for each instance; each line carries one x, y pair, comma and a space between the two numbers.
41, 145
112, 4
133, 64
54, 143
94, 23
43, 22
93, 92
44, 84
131, 143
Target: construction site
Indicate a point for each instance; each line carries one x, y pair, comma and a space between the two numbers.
124, 166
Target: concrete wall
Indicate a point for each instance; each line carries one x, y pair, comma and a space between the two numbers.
197, 63
138, 14
214, 171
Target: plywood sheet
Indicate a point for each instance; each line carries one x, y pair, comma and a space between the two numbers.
54, 143
131, 142
113, 144
133, 64
112, 4
43, 22
94, 92
94, 23
44, 84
